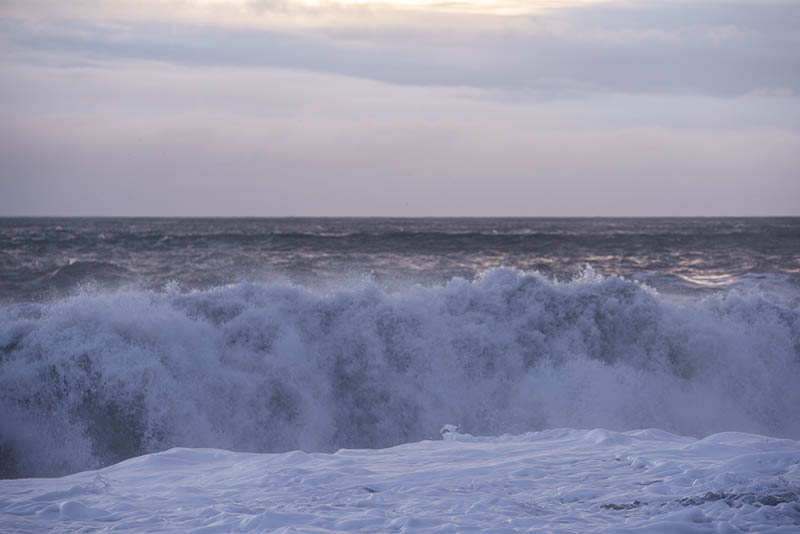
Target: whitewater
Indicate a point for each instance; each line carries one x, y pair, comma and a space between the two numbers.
618, 398
557, 481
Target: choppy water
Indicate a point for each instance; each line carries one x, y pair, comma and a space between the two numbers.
125, 336
46, 257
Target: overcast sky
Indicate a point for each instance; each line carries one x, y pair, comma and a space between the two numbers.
470, 108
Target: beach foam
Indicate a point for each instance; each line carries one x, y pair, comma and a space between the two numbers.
559, 480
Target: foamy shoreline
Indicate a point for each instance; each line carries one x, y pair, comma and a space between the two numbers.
552, 481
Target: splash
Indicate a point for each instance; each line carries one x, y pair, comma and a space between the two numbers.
98, 377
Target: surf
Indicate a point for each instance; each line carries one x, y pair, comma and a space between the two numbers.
101, 376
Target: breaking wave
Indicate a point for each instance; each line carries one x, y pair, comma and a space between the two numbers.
101, 376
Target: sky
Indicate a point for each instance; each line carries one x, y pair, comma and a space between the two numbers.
400, 108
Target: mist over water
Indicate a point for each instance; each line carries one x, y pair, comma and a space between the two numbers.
362, 334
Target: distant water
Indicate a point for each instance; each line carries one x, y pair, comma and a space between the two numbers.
43, 258
125, 336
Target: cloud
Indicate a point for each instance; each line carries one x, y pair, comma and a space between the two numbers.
194, 167
664, 47
619, 108
158, 139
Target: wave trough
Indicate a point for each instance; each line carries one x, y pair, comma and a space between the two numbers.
98, 377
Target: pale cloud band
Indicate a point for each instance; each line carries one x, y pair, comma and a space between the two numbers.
269, 12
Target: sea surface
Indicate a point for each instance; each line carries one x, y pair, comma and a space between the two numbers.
47, 257
122, 337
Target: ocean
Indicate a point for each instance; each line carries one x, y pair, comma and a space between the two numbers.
124, 337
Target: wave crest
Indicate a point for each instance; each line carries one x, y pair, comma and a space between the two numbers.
99, 377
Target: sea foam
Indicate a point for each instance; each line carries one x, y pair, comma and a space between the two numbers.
98, 377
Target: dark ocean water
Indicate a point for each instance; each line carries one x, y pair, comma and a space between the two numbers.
42, 258
125, 336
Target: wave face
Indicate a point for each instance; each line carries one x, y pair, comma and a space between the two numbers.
101, 376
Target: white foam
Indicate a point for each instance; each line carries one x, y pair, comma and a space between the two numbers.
99, 377
553, 481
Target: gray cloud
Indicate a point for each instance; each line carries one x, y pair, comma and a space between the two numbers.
286, 143
713, 48
265, 170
